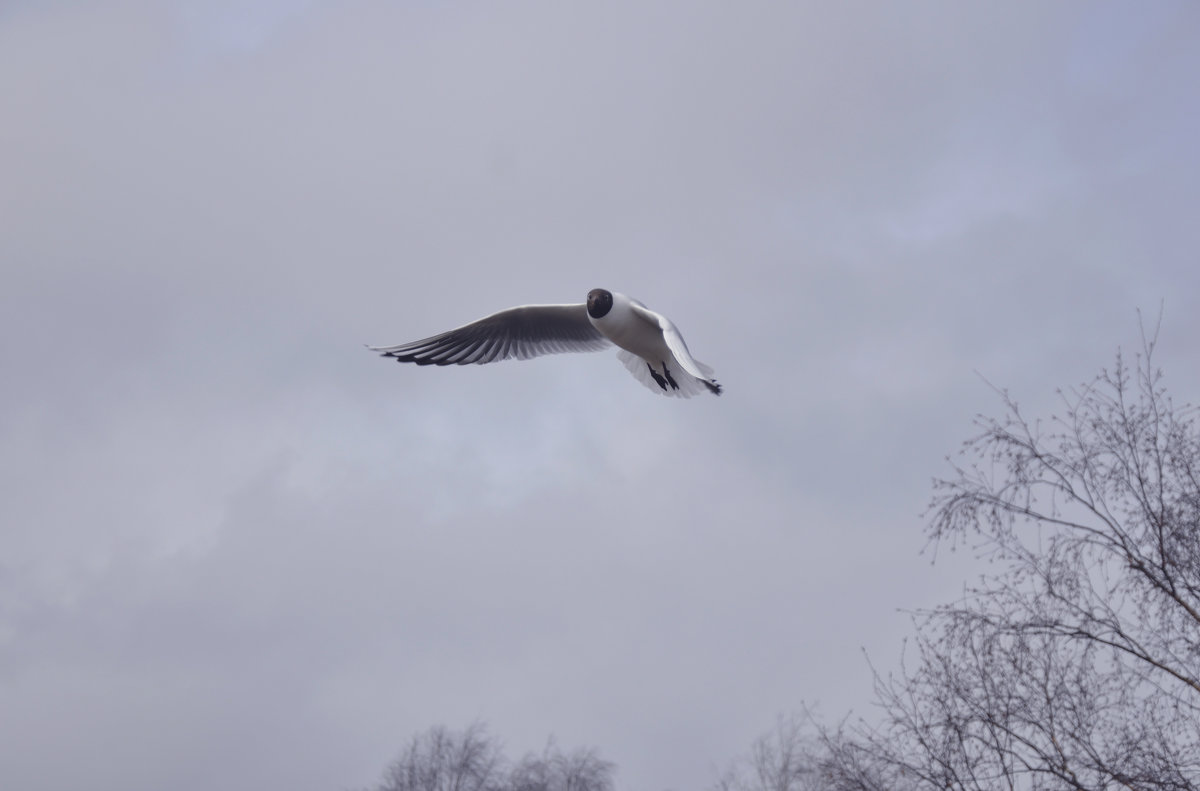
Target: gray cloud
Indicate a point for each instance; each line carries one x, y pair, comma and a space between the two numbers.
240, 551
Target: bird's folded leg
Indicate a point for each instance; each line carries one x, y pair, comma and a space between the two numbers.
670, 379
658, 379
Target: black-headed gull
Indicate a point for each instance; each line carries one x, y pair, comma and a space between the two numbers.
650, 346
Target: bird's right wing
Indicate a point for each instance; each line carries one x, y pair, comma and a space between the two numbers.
521, 332
674, 342
698, 373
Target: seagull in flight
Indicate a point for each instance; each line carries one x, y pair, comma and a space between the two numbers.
649, 345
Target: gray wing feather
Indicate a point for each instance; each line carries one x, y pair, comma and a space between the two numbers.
520, 333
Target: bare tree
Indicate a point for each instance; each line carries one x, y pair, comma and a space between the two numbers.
1076, 665
554, 770
472, 760
445, 760
784, 759
802, 754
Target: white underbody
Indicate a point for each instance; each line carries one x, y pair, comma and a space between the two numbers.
649, 340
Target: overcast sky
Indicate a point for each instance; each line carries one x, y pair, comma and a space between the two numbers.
238, 551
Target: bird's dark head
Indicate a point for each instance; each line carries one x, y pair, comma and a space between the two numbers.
599, 303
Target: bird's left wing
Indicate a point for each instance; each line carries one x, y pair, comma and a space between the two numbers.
521, 332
